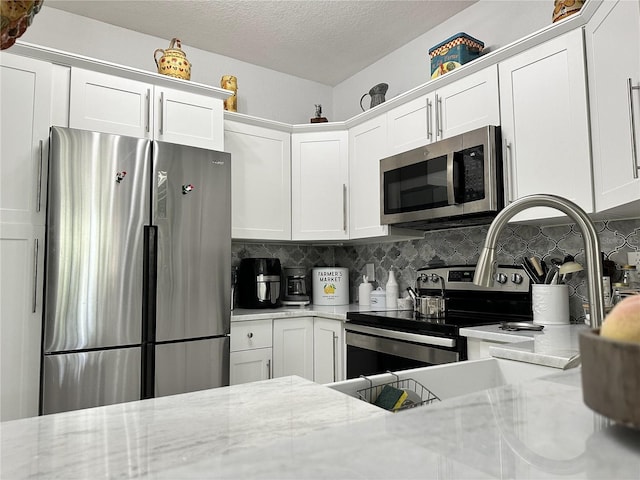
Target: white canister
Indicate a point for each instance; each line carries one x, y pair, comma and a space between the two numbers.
378, 298
550, 304
330, 286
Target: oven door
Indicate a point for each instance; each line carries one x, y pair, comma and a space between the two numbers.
373, 350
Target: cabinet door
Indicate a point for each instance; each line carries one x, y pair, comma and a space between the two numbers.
545, 124
367, 145
293, 347
25, 89
319, 179
250, 366
469, 103
110, 104
613, 38
261, 181
411, 125
188, 119
22, 260
328, 350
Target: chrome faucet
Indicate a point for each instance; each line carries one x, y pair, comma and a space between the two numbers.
485, 270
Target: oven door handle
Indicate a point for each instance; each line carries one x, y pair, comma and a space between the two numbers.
405, 336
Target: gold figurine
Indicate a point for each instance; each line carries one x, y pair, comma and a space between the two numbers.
229, 82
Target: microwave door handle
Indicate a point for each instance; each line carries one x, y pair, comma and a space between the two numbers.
454, 176
451, 192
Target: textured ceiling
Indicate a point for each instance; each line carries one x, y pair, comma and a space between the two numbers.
324, 41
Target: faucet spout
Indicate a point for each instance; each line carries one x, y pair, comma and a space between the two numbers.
485, 269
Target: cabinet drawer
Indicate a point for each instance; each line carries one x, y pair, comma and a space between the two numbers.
250, 334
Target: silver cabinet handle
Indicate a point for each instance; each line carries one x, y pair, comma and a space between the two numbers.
632, 123
250, 334
344, 207
335, 359
438, 116
39, 189
509, 172
148, 102
268, 369
35, 275
161, 114
429, 132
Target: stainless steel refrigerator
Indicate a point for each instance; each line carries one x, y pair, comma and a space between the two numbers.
138, 270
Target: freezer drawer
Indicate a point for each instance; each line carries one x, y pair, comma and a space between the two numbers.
89, 379
189, 366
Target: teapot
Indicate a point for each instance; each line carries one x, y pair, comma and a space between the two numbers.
377, 95
173, 62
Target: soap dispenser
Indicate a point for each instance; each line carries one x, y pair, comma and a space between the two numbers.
393, 291
364, 291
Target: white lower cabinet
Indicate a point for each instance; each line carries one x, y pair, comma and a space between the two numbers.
251, 353
293, 347
21, 283
261, 181
328, 350
545, 127
613, 38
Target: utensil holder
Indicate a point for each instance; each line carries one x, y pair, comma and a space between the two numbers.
550, 304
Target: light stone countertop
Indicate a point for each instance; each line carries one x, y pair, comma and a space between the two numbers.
292, 428
336, 312
554, 346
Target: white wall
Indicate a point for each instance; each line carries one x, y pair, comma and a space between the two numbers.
261, 92
495, 22
276, 96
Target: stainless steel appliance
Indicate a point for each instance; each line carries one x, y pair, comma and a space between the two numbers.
456, 181
295, 290
259, 283
402, 339
138, 270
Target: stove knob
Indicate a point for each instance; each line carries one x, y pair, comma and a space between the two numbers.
516, 278
501, 278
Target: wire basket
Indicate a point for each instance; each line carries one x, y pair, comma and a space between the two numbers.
417, 394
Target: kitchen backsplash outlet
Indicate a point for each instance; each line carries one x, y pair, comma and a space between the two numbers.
460, 246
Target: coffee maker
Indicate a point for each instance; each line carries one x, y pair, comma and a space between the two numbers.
295, 286
259, 283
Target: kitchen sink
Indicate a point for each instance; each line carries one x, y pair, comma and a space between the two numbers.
455, 379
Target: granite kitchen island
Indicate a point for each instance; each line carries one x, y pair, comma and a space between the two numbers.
293, 428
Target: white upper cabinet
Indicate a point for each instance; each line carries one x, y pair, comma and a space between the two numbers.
466, 104
319, 186
613, 62
25, 89
367, 145
112, 104
261, 181
545, 130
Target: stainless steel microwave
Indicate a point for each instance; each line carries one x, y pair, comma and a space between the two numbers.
453, 182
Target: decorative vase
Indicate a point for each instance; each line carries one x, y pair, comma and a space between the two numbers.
564, 8
377, 95
229, 82
15, 17
173, 62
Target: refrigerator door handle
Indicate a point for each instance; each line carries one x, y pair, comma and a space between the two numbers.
35, 276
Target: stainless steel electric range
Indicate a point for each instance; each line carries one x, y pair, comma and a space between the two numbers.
392, 340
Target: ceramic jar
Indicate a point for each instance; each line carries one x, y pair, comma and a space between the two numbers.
173, 61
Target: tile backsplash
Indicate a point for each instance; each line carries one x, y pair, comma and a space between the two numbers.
460, 246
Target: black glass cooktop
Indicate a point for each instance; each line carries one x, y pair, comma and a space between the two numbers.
410, 321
